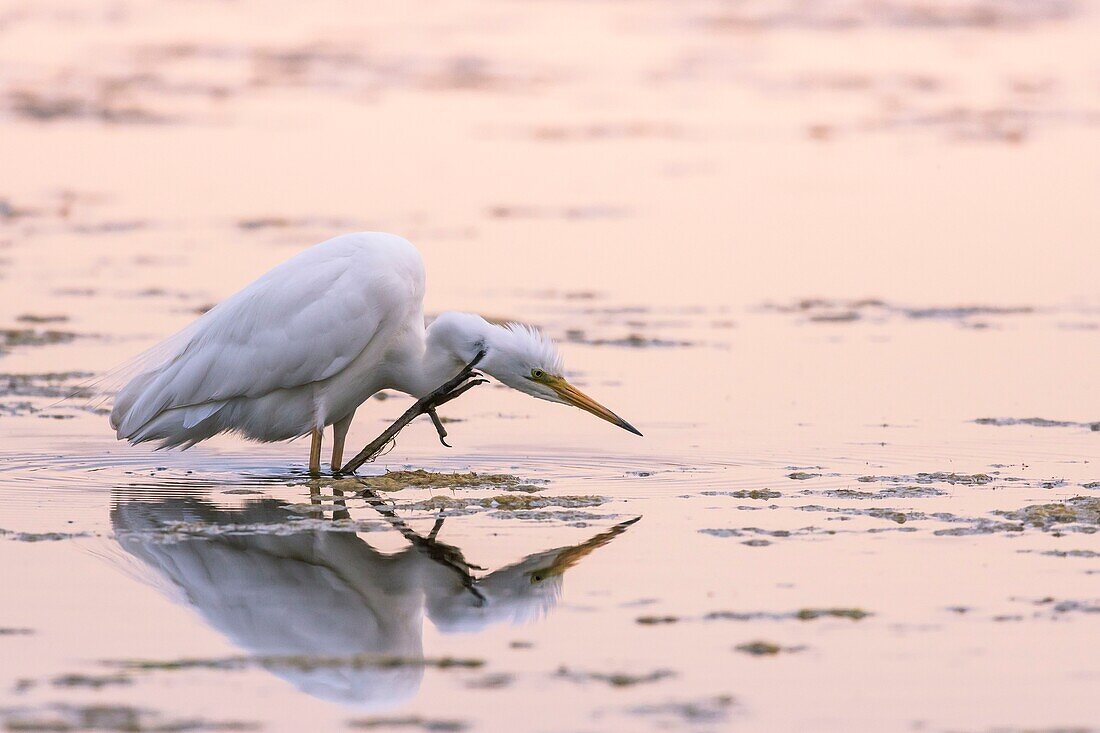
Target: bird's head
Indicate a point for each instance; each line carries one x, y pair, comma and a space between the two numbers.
527, 360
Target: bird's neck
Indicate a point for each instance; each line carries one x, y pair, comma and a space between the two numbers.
451, 342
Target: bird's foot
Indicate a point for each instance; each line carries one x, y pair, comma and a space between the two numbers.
464, 381
439, 427
461, 383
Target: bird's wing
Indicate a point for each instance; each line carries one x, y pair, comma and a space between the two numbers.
302, 322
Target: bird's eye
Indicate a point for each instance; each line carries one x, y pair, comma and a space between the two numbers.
538, 373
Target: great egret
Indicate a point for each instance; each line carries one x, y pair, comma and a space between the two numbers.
308, 342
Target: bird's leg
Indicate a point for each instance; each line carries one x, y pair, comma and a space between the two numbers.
315, 453
339, 433
465, 380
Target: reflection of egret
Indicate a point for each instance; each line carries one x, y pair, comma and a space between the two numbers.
304, 345
251, 583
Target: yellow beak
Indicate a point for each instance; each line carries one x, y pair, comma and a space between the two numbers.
575, 397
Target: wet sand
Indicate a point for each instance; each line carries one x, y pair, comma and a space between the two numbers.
835, 260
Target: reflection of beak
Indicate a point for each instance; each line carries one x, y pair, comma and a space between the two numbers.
570, 556
575, 397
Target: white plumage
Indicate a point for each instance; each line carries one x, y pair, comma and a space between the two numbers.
263, 362
308, 342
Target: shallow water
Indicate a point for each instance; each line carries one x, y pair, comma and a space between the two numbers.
835, 260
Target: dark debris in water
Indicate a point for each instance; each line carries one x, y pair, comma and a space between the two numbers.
614, 679
1037, 422
730, 532
41, 536
802, 614
657, 620
631, 340
706, 710
1067, 553
974, 525
1080, 510
49, 385
808, 614
824, 310
893, 492
1057, 607
506, 502
1080, 514
894, 515
965, 479
572, 517
16, 337
91, 681
397, 480
100, 107
494, 681
40, 319
763, 494
121, 718
765, 648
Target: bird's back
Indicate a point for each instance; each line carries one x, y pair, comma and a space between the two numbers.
299, 324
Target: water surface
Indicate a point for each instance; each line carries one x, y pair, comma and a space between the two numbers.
835, 260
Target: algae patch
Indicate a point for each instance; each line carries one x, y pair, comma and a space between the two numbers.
119, 718
893, 492
505, 502
30, 388
706, 710
37, 318
1069, 553
1081, 510
762, 494
1037, 422
41, 536
49, 385
764, 648
94, 682
614, 679
964, 479
809, 614
421, 479
802, 614
656, 620
15, 337
490, 681
731, 532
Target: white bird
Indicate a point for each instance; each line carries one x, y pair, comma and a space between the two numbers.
312, 339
